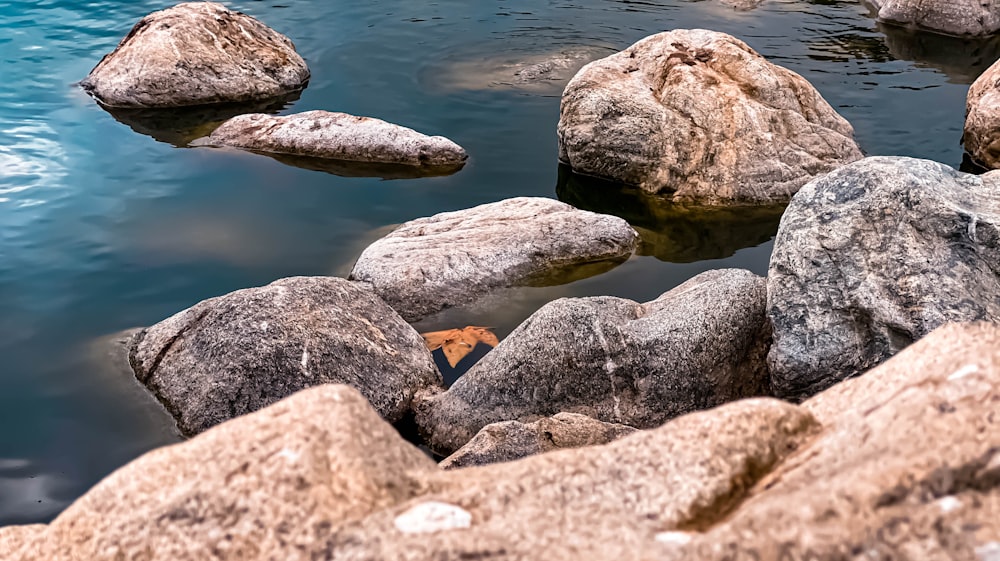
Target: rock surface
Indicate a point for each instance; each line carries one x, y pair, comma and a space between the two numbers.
197, 53
696, 346
542, 73
700, 117
872, 257
15, 541
338, 136
512, 440
981, 136
953, 17
234, 354
454, 258
907, 466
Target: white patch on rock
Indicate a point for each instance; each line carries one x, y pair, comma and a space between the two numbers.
432, 516
674, 538
289, 454
964, 371
949, 504
989, 551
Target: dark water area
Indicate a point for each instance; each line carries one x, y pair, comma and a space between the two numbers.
107, 222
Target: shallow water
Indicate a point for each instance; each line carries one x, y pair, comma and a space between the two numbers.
103, 228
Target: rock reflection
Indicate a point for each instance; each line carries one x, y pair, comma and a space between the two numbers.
345, 168
671, 232
962, 59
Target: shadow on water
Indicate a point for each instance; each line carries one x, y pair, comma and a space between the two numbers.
346, 168
671, 232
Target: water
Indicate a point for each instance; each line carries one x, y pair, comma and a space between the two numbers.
103, 228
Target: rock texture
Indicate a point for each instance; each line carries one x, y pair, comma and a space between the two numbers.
700, 117
981, 136
907, 466
234, 354
197, 53
454, 258
512, 440
954, 17
15, 541
540, 73
872, 257
337, 136
697, 346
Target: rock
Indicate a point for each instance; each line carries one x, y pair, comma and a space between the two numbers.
907, 466
338, 136
512, 440
197, 53
455, 258
264, 486
952, 17
15, 540
982, 119
234, 354
872, 257
698, 116
541, 73
697, 346
743, 4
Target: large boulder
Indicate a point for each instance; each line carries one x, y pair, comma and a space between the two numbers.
512, 440
337, 136
234, 354
953, 17
697, 346
197, 53
455, 258
907, 466
872, 257
700, 117
981, 136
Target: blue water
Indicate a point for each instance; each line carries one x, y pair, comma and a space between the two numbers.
103, 228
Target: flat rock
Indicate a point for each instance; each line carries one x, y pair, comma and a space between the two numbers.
697, 346
455, 258
337, 136
953, 17
699, 117
981, 136
512, 440
873, 257
197, 53
907, 466
234, 354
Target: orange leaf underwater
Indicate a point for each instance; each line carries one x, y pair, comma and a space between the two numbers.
457, 343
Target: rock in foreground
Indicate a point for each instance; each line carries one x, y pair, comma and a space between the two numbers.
238, 353
454, 258
873, 257
700, 117
197, 53
697, 346
981, 136
954, 17
338, 136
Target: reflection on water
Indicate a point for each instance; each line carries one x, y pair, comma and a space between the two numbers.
962, 59
671, 232
346, 168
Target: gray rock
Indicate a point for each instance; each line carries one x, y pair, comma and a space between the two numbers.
907, 466
197, 53
541, 73
337, 136
697, 346
512, 440
234, 354
455, 258
872, 257
700, 117
953, 17
981, 136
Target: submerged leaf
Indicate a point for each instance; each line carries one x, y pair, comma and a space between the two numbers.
458, 343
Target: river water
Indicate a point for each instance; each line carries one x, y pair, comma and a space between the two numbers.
104, 228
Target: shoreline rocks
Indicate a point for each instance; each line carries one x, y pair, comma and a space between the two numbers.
455, 258
951, 17
197, 53
699, 117
982, 119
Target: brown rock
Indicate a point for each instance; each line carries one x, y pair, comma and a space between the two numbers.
197, 53
954, 17
982, 118
512, 440
18, 541
700, 117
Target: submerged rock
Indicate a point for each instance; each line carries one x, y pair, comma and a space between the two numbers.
338, 136
981, 136
700, 117
197, 53
234, 354
543, 73
455, 258
697, 346
954, 17
873, 257
512, 440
